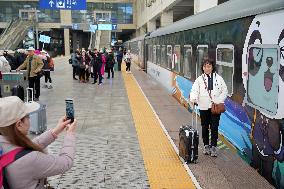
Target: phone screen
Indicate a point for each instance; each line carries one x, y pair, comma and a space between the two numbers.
69, 109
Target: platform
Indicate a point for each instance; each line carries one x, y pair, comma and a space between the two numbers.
126, 137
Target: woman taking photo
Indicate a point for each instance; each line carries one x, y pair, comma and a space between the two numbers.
35, 165
207, 89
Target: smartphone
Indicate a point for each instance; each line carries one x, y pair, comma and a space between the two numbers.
69, 109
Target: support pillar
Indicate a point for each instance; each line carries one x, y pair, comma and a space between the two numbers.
202, 5
167, 18
151, 26
66, 19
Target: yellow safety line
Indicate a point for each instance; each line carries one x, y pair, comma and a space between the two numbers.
163, 166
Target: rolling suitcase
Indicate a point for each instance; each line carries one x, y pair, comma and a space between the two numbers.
38, 123
189, 141
19, 91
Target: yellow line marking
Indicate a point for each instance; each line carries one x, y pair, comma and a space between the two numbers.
163, 166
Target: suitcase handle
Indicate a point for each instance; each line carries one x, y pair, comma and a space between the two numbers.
28, 96
195, 114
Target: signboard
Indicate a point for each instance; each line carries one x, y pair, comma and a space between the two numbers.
63, 4
114, 26
93, 28
44, 38
107, 26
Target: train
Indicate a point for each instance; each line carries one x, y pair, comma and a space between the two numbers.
246, 39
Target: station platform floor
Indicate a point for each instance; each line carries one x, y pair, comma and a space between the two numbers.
127, 137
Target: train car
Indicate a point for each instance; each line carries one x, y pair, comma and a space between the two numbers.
246, 39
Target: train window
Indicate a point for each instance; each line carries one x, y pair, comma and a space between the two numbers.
225, 64
202, 52
163, 56
176, 58
169, 57
263, 78
158, 54
187, 61
150, 49
154, 55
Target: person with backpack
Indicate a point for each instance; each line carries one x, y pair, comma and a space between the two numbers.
127, 60
24, 162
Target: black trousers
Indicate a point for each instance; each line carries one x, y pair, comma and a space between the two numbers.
74, 71
208, 119
47, 76
128, 64
119, 64
82, 74
97, 73
108, 72
34, 83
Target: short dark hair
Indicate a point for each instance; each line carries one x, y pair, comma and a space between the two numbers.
208, 61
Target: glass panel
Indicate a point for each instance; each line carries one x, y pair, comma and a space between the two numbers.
10, 10
158, 53
227, 73
176, 58
202, 52
225, 55
163, 57
187, 61
121, 13
263, 69
169, 57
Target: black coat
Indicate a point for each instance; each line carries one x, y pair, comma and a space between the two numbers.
110, 61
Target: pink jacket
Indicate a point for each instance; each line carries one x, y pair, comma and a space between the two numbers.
30, 170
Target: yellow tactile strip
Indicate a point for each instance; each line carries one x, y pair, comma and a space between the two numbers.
163, 166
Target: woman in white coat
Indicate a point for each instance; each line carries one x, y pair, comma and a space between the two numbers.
209, 83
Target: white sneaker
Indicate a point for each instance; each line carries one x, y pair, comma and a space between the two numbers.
206, 150
213, 151
50, 87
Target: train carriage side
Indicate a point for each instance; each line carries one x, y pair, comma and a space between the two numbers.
249, 54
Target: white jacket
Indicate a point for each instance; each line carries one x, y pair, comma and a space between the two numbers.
200, 95
4, 65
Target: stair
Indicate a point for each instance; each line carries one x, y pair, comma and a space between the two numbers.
15, 33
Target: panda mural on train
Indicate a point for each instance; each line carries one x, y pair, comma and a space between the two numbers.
263, 80
246, 38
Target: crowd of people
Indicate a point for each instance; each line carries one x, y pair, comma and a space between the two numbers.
95, 63
37, 63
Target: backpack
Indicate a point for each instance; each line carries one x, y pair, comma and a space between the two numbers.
7, 159
51, 64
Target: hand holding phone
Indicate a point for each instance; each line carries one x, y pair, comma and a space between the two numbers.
69, 109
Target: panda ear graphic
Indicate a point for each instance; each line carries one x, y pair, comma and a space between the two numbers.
281, 72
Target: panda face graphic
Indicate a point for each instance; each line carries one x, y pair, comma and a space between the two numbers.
263, 64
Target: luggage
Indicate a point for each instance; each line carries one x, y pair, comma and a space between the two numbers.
188, 142
18, 91
38, 123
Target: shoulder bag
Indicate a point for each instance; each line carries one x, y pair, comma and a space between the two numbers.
215, 108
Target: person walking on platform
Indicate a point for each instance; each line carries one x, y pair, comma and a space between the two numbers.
207, 89
127, 60
97, 65
109, 64
75, 58
32, 164
119, 57
34, 65
46, 68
